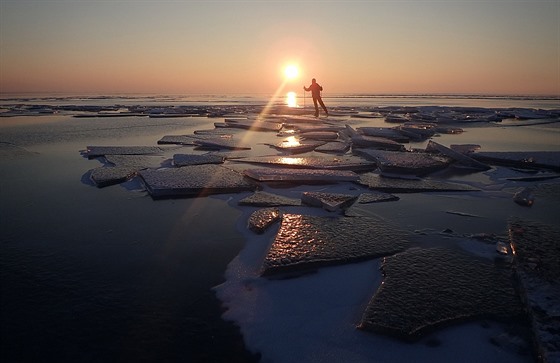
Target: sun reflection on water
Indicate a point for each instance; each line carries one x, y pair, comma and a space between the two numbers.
291, 99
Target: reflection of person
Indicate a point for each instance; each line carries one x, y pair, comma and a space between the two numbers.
316, 89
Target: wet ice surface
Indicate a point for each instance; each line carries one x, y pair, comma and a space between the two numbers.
537, 255
305, 242
427, 288
194, 180
315, 315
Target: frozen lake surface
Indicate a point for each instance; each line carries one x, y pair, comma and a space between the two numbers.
133, 269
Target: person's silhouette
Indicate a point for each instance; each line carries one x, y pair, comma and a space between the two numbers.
316, 89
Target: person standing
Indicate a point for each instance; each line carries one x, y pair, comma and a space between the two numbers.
316, 89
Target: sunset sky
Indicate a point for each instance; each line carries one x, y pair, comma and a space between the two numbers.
184, 47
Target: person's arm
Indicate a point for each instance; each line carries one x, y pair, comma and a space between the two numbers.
306, 89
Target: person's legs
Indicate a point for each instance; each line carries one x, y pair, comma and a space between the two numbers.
316, 107
323, 106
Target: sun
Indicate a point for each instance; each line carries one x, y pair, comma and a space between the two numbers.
291, 71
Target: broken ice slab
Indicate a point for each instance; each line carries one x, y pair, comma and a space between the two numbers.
194, 180
462, 159
356, 210
524, 197
125, 167
320, 135
193, 159
386, 132
253, 125
190, 139
303, 129
392, 118
394, 185
376, 142
105, 176
376, 197
134, 161
264, 199
367, 115
301, 175
328, 201
417, 131
448, 130
425, 289
214, 132
95, 151
261, 219
465, 149
536, 255
307, 242
317, 162
336, 147
293, 145
537, 250
405, 162
524, 159
218, 144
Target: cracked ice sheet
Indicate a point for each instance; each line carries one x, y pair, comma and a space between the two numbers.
427, 288
306, 242
314, 317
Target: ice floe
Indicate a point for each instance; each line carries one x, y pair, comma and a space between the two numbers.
305, 242
427, 288
301, 175
105, 176
405, 162
396, 185
194, 180
463, 160
328, 201
537, 253
524, 159
95, 151
194, 159
332, 163
261, 219
265, 199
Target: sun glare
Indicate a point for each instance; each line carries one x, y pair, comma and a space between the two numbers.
291, 99
291, 71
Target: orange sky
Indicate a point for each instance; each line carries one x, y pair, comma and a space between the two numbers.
174, 47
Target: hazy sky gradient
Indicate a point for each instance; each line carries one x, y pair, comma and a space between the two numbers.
174, 47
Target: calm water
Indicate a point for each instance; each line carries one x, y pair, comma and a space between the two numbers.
102, 275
